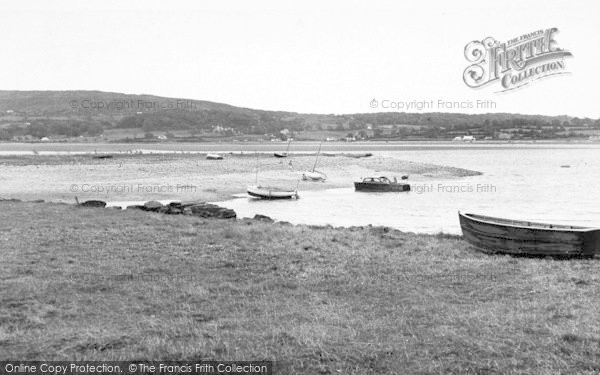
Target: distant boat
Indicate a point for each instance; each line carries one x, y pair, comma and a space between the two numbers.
358, 156
313, 174
214, 157
284, 154
269, 192
496, 235
380, 184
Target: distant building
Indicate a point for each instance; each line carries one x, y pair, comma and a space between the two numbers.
464, 138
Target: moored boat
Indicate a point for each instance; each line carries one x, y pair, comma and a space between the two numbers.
265, 192
283, 154
269, 192
214, 157
313, 174
519, 237
380, 184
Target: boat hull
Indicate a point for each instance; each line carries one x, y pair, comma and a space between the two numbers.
314, 176
280, 154
497, 235
381, 187
271, 193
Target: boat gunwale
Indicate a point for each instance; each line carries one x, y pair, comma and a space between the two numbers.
530, 225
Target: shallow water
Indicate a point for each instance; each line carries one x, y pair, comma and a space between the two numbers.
558, 184
520, 181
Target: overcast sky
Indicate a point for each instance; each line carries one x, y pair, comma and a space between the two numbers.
303, 56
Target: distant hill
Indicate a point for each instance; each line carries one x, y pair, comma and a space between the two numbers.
51, 103
90, 113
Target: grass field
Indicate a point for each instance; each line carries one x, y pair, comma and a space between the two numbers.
103, 284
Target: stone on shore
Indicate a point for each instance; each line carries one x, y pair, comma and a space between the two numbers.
153, 206
210, 210
263, 218
93, 203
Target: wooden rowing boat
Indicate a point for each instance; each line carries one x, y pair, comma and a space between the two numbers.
497, 235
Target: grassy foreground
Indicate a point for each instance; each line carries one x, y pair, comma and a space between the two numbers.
315, 300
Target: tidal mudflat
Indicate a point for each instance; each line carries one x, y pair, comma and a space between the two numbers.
136, 177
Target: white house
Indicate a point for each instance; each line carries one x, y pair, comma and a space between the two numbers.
465, 138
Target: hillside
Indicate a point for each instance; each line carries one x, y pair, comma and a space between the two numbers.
31, 115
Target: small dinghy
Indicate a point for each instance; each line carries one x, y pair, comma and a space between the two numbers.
266, 192
214, 157
270, 192
284, 154
313, 174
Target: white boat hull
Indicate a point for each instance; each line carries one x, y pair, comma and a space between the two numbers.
314, 176
271, 193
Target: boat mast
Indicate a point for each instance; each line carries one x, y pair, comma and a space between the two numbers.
317, 159
256, 178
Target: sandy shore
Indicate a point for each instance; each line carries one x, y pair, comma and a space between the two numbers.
190, 176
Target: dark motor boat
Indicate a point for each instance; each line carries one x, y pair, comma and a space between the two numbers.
381, 184
496, 235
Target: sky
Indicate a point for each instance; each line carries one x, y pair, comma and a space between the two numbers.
301, 56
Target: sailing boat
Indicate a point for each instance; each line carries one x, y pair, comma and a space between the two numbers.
269, 192
284, 154
313, 174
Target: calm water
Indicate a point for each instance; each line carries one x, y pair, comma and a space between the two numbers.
558, 183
